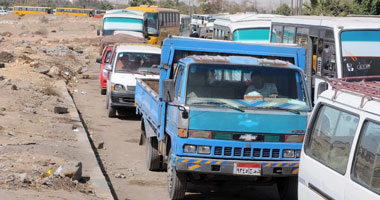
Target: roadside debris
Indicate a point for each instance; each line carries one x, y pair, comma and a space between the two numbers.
61, 110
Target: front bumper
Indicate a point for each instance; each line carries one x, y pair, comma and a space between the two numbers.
123, 99
226, 167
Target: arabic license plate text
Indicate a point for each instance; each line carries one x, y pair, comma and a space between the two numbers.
253, 169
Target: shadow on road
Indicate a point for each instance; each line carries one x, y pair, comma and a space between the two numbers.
128, 115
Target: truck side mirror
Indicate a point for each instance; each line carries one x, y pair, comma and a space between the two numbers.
98, 32
99, 60
108, 67
168, 90
322, 86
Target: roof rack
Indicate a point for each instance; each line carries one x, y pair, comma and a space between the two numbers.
367, 86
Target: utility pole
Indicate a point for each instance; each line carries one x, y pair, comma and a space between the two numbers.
291, 6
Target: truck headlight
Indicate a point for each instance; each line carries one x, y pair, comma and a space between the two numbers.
188, 148
288, 153
118, 87
204, 149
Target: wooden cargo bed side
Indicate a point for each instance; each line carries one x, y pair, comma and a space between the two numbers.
153, 83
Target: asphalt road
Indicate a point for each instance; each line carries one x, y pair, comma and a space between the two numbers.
122, 156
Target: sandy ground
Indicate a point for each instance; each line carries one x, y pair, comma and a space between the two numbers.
37, 51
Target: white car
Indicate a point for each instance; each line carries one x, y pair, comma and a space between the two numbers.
128, 62
340, 158
3, 12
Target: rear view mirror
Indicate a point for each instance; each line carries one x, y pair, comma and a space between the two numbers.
99, 60
322, 87
108, 67
168, 90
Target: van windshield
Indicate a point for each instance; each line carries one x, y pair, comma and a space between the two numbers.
246, 87
256, 34
360, 52
137, 63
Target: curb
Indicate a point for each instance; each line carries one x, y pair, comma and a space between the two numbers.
97, 178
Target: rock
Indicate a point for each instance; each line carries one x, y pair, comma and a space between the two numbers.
53, 31
6, 57
100, 145
46, 181
54, 71
72, 169
34, 64
2, 65
22, 177
83, 92
120, 175
14, 87
85, 76
61, 110
43, 69
2, 77
70, 47
6, 34
79, 51
12, 134
82, 69
10, 178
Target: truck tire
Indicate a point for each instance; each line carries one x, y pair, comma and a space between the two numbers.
176, 182
287, 188
153, 158
111, 112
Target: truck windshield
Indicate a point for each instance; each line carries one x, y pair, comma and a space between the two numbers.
137, 63
123, 24
256, 34
360, 52
246, 87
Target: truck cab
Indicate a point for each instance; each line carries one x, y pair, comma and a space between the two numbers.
128, 62
340, 157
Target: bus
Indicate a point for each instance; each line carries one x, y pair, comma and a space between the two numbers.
337, 47
75, 11
185, 21
250, 27
160, 22
24, 10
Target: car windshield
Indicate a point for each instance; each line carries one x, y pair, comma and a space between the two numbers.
123, 24
152, 24
137, 63
256, 34
246, 87
360, 52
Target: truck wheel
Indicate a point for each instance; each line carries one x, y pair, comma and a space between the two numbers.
153, 158
103, 91
111, 112
176, 182
287, 188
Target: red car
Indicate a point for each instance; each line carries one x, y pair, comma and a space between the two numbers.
105, 59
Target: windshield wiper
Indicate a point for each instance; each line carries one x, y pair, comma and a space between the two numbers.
286, 109
225, 105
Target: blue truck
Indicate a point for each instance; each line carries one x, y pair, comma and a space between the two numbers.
227, 110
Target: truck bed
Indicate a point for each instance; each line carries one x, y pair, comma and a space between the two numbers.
147, 101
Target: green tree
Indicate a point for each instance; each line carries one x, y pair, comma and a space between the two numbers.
168, 4
328, 7
284, 9
105, 5
140, 2
367, 7
183, 8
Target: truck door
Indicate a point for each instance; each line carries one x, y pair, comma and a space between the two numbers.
173, 111
325, 63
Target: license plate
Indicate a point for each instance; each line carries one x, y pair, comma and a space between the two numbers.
253, 169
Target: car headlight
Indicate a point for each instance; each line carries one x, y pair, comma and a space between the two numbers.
188, 148
204, 149
118, 87
288, 153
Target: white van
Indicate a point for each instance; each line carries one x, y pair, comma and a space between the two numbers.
340, 158
128, 62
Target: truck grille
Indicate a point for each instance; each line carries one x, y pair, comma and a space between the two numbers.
254, 153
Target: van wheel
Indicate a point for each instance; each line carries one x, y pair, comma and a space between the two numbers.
153, 158
287, 187
176, 182
111, 112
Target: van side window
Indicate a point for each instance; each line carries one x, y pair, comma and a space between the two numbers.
331, 137
289, 34
277, 34
366, 165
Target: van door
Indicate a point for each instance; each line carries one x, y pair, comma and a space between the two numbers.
327, 150
325, 62
364, 180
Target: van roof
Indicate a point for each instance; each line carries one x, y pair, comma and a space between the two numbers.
358, 92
